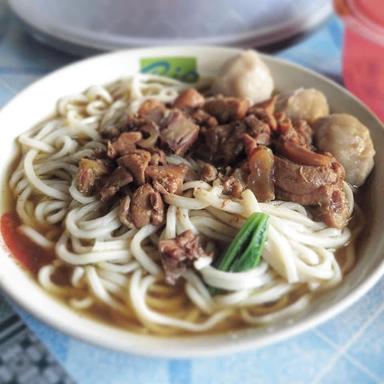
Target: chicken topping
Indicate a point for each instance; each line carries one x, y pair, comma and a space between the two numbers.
179, 132
90, 171
146, 207
179, 253
167, 178
136, 162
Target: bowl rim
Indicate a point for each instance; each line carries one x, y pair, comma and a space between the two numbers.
90, 335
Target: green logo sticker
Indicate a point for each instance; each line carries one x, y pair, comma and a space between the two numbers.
180, 68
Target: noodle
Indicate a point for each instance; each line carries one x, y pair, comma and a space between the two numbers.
117, 268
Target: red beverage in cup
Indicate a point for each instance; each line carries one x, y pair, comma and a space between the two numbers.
363, 54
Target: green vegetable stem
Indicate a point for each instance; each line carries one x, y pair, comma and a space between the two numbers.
245, 250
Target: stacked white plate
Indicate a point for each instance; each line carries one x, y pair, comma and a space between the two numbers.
82, 26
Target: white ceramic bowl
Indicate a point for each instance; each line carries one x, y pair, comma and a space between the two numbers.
38, 101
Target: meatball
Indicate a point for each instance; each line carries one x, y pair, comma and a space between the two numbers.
245, 75
303, 104
349, 141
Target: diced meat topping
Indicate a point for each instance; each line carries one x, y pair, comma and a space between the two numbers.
153, 110
119, 178
260, 178
319, 186
124, 214
179, 253
227, 109
125, 143
233, 185
136, 162
158, 157
203, 119
146, 207
150, 132
295, 134
189, 98
90, 171
328, 203
304, 131
232, 142
302, 179
222, 145
258, 129
265, 112
249, 143
167, 178
179, 132
317, 197
302, 155
334, 212
208, 172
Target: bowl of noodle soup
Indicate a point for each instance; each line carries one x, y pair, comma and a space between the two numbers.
99, 278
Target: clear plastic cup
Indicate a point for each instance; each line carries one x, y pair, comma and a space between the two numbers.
363, 53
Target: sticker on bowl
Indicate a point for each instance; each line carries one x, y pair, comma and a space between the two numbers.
180, 68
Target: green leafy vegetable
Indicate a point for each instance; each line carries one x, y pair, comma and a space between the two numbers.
245, 250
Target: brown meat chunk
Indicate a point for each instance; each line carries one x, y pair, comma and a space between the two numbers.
157, 217
260, 178
189, 98
146, 207
227, 109
222, 145
125, 143
249, 143
89, 172
124, 214
299, 133
179, 132
150, 132
305, 131
329, 203
303, 179
158, 157
259, 130
265, 112
179, 253
317, 186
284, 124
316, 197
119, 178
136, 162
208, 172
202, 118
234, 184
167, 178
302, 155
152, 109
334, 212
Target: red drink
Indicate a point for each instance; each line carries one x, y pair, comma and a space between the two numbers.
363, 55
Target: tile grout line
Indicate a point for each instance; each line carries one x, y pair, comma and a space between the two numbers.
349, 357
342, 350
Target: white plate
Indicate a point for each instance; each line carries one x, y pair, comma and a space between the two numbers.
38, 101
81, 26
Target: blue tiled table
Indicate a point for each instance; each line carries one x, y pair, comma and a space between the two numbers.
347, 349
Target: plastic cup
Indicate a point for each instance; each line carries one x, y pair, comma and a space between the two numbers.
363, 53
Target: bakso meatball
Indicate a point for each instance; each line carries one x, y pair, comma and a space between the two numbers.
245, 75
349, 141
303, 104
